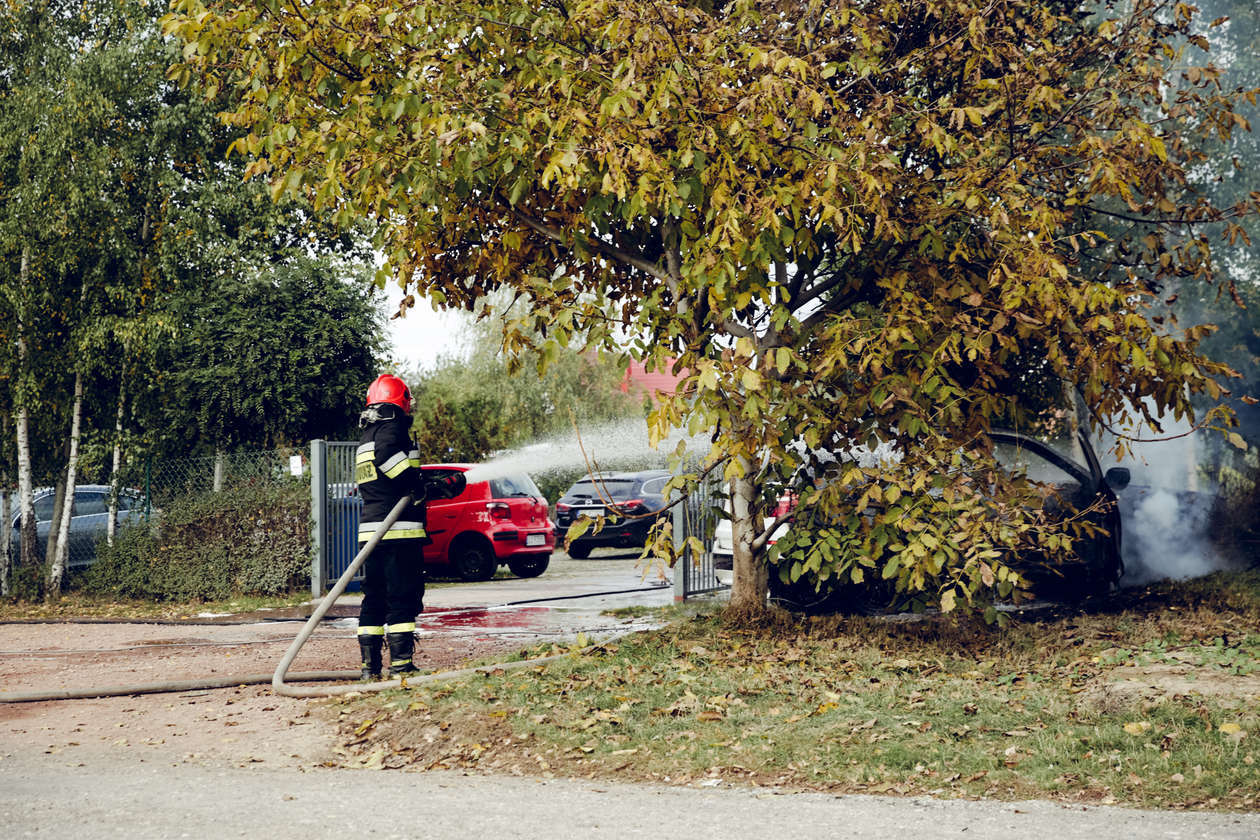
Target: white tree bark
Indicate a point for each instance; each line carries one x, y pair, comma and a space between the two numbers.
57, 563
6, 515
6, 529
111, 528
26, 491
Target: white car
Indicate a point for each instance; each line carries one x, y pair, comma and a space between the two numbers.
724, 541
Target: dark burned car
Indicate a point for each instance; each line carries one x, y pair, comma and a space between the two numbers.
612, 496
1072, 487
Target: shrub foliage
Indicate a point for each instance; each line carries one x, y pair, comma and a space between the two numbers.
252, 540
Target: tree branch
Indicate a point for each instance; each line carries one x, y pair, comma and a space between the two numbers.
598, 245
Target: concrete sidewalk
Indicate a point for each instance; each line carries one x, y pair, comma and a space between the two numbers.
40, 796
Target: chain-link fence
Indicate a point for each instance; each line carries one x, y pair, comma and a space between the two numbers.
162, 481
147, 487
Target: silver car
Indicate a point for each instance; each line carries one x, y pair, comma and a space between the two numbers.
89, 520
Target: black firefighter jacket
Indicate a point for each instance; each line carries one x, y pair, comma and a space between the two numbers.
387, 467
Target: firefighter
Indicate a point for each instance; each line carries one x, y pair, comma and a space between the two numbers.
387, 468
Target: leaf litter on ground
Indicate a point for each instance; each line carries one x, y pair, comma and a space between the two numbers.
1044, 708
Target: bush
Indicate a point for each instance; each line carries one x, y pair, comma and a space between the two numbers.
251, 540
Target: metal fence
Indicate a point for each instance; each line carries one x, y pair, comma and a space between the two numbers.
335, 511
336, 507
145, 487
694, 572
167, 479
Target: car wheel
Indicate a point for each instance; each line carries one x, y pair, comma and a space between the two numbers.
579, 551
474, 561
528, 567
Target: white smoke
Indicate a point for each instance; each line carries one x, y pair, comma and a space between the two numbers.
1165, 509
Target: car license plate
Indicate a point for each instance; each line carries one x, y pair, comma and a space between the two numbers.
535, 539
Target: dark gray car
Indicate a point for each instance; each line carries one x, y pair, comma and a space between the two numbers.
89, 520
630, 501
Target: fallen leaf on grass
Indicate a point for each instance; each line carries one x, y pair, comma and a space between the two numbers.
1136, 727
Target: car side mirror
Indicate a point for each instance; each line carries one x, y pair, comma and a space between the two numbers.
1117, 478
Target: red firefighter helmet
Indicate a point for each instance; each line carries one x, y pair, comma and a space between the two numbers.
390, 389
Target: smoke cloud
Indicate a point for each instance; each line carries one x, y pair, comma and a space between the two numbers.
1165, 509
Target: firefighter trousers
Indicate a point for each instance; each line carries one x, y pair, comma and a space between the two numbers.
393, 587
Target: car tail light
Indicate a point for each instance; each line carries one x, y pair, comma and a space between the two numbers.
629, 505
499, 510
786, 504
562, 507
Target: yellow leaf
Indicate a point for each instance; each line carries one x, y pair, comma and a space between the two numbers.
1137, 727
1238, 441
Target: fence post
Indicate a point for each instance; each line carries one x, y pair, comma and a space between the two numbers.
682, 565
319, 514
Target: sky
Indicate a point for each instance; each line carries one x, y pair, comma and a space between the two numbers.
424, 336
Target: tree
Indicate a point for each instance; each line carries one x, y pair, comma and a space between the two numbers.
122, 228
49, 99
845, 220
273, 357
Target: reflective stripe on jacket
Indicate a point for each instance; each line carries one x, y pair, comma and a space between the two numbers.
387, 467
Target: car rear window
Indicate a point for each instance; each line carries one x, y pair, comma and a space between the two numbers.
654, 485
509, 486
615, 489
44, 508
86, 504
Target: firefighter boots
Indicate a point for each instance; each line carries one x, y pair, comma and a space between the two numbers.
370, 651
401, 648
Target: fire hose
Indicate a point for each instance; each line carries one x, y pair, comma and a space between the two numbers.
277, 678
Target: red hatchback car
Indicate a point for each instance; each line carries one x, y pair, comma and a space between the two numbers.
503, 520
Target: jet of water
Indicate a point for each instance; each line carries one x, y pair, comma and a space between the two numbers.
621, 445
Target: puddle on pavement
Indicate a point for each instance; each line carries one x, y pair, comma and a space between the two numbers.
518, 619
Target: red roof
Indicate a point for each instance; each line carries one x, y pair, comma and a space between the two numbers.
641, 381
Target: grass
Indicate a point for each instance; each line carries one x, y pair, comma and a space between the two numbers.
1151, 703
75, 605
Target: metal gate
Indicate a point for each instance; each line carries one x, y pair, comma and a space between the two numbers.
694, 573
335, 509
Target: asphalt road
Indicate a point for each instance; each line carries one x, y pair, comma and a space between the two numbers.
102, 798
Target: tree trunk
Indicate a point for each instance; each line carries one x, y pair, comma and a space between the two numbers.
57, 566
6, 528
750, 585
6, 514
26, 492
115, 477
58, 512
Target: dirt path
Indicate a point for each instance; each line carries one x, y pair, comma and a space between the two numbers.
245, 725
249, 725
